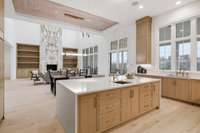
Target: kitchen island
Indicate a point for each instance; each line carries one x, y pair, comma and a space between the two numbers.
98, 104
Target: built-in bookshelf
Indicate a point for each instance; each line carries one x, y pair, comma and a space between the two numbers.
28, 59
70, 61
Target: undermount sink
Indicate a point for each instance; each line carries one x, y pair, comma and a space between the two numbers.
122, 82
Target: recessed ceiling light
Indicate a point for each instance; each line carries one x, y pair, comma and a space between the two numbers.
178, 2
141, 7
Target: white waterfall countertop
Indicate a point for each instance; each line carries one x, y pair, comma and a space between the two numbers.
92, 85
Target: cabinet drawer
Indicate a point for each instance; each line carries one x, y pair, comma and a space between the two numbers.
109, 120
109, 106
106, 96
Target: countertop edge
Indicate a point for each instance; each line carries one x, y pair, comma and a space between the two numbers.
108, 89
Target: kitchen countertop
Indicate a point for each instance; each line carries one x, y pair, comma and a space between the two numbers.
92, 85
170, 75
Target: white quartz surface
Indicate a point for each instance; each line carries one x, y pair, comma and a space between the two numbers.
90, 85
171, 75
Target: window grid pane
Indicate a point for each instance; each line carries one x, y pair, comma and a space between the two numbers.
118, 62
114, 45
183, 53
123, 43
165, 33
165, 56
183, 29
90, 61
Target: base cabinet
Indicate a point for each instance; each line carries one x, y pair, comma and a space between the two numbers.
156, 95
105, 110
183, 91
195, 91
177, 89
108, 113
88, 114
169, 87
129, 103
145, 98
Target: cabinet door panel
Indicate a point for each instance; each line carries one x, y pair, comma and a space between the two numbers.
88, 114
195, 88
145, 99
169, 87
156, 95
125, 104
182, 89
134, 102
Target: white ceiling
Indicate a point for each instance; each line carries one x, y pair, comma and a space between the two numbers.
121, 10
117, 10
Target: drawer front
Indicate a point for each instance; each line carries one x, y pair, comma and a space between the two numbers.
145, 99
109, 120
109, 106
106, 96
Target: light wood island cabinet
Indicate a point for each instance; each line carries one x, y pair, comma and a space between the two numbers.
129, 103
88, 111
102, 111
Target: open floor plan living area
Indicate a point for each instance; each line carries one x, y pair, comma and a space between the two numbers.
99, 66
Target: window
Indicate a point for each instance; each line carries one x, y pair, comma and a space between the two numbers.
165, 47
123, 43
183, 29
165, 56
114, 45
198, 54
183, 49
91, 59
165, 33
198, 26
118, 62
119, 57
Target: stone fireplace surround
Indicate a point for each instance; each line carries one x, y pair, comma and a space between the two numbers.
51, 47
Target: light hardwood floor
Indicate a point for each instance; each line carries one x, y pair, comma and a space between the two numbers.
31, 109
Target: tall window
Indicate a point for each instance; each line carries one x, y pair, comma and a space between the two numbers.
165, 56
90, 59
165, 47
119, 56
183, 53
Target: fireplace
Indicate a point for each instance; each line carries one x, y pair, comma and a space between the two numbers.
52, 67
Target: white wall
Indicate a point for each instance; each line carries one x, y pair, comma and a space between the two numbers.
103, 41
19, 31
7, 61
121, 31
96, 40
183, 13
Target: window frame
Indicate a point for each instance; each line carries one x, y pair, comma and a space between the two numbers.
119, 50
165, 42
90, 52
193, 37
